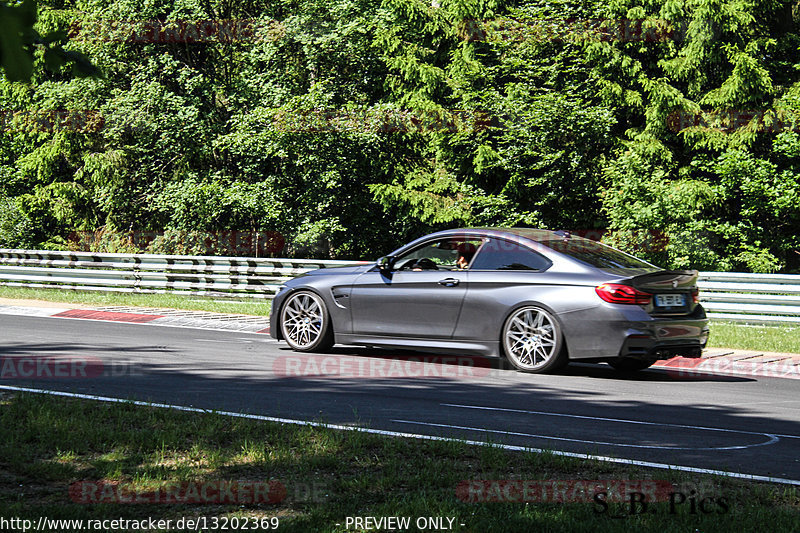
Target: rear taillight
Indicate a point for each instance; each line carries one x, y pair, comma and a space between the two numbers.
622, 294
696, 295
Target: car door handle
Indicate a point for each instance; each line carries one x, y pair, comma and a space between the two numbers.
448, 282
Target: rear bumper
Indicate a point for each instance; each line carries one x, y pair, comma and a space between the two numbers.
665, 339
611, 331
654, 351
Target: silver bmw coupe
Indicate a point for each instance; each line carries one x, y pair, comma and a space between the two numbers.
539, 298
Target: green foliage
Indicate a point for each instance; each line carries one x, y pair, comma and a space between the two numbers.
20, 41
16, 229
348, 126
702, 158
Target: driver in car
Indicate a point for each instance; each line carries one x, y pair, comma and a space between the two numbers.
424, 264
466, 251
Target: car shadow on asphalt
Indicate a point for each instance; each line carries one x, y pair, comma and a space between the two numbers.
499, 365
603, 371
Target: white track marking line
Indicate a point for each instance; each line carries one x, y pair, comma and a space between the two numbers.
40, 312
772, 439
759, 403
618, 460
233, 341
48, 312
752, 370
622, 420
266, 335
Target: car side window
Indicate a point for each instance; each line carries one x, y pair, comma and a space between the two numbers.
445, 254
498, 254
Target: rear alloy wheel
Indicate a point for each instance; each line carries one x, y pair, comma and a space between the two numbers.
532, 341
305, 323
629, 364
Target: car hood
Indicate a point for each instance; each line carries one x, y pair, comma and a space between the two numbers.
357, 269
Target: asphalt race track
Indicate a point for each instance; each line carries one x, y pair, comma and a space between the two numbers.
748, 425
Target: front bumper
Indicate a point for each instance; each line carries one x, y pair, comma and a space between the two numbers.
277, 303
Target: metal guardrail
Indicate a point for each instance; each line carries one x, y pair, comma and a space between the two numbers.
151, 273
757, 298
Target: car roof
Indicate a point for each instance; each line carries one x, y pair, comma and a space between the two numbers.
528, 236
535, 239
531, 234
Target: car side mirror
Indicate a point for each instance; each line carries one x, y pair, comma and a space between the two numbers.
385, 263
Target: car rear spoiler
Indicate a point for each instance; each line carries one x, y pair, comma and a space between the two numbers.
664, 280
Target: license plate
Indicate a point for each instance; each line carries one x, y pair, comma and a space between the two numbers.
670, 300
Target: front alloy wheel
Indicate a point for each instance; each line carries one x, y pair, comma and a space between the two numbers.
305, 323
532, 341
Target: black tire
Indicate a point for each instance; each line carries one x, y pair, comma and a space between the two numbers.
628, 364
305, 323
532, 341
